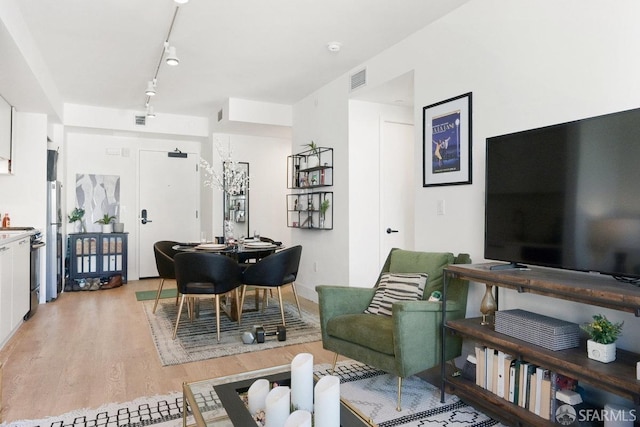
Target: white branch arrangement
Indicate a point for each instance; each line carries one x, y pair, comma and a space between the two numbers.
232, 180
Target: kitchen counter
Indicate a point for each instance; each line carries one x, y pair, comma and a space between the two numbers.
8, 236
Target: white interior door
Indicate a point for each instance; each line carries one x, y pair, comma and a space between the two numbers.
169, 197
396, 187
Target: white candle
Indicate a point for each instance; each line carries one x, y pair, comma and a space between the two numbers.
327, 402
299, 418
302, 382
257, 394
278, 404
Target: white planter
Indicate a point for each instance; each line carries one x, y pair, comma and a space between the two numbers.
604, 353
313, 161
107, 228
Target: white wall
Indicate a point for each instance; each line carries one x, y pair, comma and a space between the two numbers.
323, 117
88, 153
528, 63
267, 159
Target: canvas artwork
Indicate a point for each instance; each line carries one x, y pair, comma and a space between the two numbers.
97, 195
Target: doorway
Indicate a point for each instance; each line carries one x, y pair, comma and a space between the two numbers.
169, 193
396, 187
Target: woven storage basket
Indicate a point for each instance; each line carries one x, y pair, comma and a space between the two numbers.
547, 332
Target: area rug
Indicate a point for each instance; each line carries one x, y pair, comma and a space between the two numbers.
151, 295
197, 340
371, 391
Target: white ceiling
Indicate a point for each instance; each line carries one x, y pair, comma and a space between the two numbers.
103, 52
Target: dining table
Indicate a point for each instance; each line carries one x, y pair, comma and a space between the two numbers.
245, 252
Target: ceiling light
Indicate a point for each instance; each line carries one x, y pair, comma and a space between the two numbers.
172, 58
150, 113
151, 88
334, 46
181, 1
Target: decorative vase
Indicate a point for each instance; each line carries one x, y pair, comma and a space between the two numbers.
488, 306
313, 161
118, 227
604, 353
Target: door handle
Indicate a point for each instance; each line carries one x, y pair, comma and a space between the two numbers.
144, 217
389, 231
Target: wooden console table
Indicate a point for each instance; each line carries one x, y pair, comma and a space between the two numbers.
618, 377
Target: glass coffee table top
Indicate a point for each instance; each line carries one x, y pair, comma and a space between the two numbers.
217, 402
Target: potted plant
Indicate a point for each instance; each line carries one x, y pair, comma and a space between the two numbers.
106, 221
313, 159
324, 206
76, 217
603, 334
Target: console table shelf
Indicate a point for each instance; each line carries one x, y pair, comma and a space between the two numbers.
618, 377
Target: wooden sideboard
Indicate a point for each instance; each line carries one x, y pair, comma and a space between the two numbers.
618, 377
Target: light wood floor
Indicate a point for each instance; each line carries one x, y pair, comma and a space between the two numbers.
94, 347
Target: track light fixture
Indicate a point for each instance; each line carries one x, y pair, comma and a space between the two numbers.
151, 88
172, 59
150, 113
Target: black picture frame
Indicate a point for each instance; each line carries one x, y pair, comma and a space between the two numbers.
446, 142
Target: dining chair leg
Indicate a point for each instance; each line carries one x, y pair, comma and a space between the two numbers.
295, 294
175, 331
238, 305
242, 294
158, 295
333, 366
218, 316
281, 306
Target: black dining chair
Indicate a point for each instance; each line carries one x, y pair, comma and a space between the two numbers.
206, 275
274, 271
164, 253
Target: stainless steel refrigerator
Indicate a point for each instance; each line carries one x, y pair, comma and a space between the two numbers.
54, 243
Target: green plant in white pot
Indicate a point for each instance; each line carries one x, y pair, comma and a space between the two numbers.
603, 334
313, 158
107, 223
324, 206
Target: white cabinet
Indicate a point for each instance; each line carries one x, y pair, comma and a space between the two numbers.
14, 285
6, 289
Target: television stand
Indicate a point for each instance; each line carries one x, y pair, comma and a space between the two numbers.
510, 266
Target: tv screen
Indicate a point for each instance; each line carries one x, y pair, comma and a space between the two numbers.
567, 196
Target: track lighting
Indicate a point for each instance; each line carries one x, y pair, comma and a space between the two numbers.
150, 112
172, 58
151, 88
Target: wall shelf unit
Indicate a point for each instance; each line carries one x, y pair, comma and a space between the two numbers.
618, 377
310, 169
303, 210
307, 173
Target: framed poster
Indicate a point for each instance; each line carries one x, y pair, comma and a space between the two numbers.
446, 158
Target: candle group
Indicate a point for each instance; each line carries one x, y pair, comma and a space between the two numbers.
323, 400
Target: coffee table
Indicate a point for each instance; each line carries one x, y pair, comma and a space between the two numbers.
217, 402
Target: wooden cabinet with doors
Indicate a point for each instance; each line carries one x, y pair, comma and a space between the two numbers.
97, 255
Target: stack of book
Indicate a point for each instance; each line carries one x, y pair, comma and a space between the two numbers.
522, 383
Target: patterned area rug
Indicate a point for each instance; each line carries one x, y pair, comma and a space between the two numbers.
371, 391
197, 340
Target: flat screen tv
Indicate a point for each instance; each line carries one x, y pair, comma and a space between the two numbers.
567, 196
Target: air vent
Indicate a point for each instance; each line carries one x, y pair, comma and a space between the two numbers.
141, 120
359, 79
220, 115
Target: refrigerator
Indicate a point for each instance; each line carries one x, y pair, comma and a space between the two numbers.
54, 243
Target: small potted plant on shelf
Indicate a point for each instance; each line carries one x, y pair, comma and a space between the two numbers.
76, 217
324, 206
603, 334
313, 159
107, 223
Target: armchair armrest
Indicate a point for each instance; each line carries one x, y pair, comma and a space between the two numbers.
416, 330
337, 300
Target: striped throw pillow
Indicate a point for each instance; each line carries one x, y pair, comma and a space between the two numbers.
395, 287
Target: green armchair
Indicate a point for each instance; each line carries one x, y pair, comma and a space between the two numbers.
407, 342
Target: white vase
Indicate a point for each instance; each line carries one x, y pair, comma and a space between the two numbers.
604, 353
313, 161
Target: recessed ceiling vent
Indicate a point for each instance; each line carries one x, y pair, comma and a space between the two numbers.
358, 79
141, 120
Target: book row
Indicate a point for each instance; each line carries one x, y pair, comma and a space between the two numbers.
522, 383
